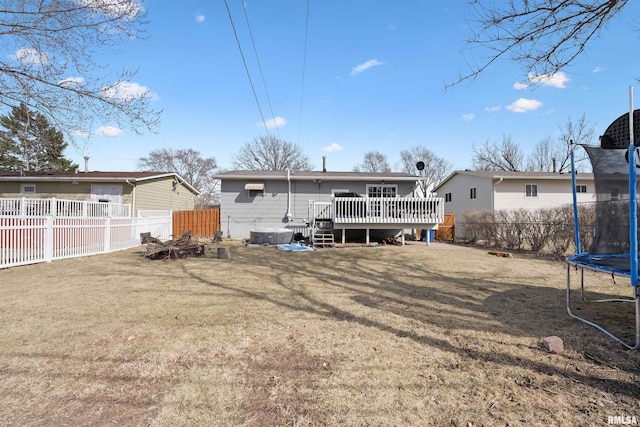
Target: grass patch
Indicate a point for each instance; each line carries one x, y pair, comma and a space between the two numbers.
413, 335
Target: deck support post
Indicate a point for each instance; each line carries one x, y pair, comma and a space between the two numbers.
367, 238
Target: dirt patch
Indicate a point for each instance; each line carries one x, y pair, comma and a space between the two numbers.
283, 381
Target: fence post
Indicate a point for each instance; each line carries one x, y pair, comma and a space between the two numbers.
23, 206
48, 238
84, 209
107, 235
54, 207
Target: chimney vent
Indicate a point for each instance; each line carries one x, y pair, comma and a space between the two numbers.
324, 163
86, 163
553, 160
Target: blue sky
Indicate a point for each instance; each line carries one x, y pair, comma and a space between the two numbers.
374, 80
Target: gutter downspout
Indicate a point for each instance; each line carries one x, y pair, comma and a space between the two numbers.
133, 197
288, 214
493, 193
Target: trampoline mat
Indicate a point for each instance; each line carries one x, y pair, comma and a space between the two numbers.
617, 264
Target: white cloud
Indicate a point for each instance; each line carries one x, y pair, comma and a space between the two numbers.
81, 133
272, 123
523, 105
558, 79
365, 66
493, 109
200, 18
30, 56
108, 131
598, 70
127, 91
468, 117
71, 81
331, 148
520, 86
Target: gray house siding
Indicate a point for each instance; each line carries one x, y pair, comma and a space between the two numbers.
240, 212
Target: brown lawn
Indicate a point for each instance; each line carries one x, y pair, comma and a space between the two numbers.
415, 335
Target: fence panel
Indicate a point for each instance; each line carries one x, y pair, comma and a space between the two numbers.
29, 240
202, 222
22, 241
26, 206
447, 229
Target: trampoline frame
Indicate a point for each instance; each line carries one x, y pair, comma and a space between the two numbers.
635, 299
632, 274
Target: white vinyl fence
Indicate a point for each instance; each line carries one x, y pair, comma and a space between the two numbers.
27, 206
30, 238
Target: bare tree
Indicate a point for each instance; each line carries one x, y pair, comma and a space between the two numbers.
191, 166
436, 168
374, 161
543, 36
572, 133
271, 153
504, 156
542, 156
49, 63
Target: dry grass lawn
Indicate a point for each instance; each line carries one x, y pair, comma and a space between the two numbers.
415, 335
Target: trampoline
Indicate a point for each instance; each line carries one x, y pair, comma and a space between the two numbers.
615, 244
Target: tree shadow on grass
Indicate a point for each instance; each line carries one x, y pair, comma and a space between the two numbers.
452, 307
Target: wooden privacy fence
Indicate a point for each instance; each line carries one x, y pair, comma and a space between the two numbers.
447, 229
202, 222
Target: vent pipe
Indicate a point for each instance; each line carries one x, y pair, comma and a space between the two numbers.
553, 160
86, 163
324, 163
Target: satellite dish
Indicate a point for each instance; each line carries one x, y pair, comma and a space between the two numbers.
420, 165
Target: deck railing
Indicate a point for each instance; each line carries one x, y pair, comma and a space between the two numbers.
32, 207
380, 210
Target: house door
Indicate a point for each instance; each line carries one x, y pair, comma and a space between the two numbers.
106, 193
376, 208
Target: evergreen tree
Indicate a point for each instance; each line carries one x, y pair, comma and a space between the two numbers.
29, 142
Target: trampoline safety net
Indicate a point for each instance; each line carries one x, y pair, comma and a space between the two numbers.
611, 177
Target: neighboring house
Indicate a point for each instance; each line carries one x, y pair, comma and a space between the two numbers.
347, 203
143, 190
465, 191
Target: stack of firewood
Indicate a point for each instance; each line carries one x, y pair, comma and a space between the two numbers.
181, 247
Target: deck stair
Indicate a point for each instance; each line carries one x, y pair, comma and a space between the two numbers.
323, 233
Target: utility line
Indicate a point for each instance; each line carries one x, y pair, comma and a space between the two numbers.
253, 89
264, 83
304, 66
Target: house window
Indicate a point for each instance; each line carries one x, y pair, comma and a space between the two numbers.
615, 194
531, 190
382, 190
581, 188
27, 189
473, 193
447, 197
254, 189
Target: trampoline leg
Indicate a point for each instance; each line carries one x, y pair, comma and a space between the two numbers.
636, 300
636, 292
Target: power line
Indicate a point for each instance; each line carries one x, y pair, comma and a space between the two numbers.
253, 89
264, 83
304, 66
